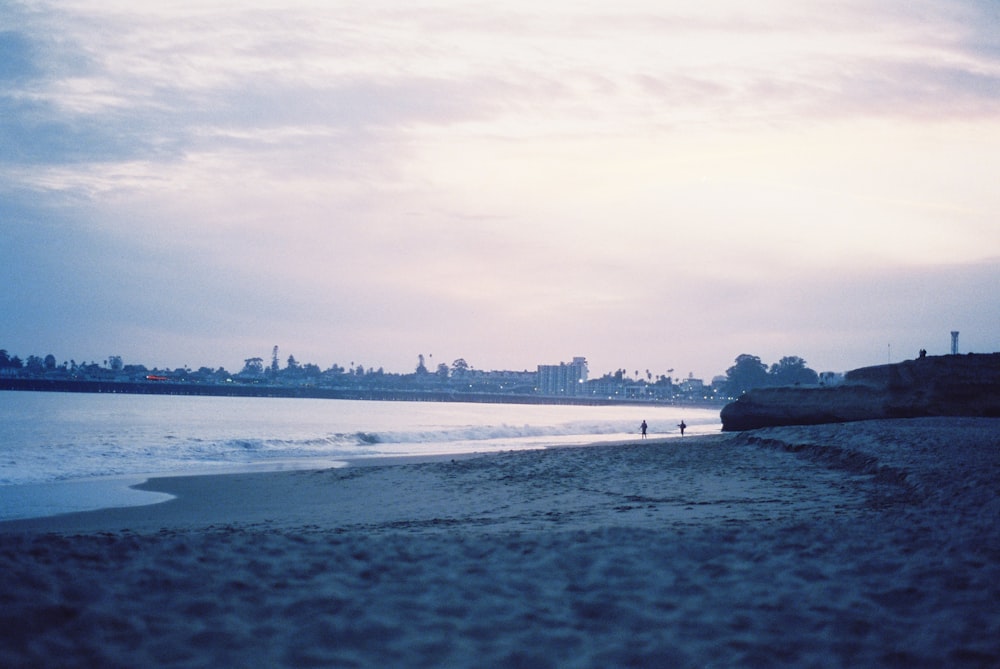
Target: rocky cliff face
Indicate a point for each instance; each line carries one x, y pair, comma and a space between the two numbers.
948, 385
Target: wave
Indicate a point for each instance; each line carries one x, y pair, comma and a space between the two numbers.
398, 440
156, 443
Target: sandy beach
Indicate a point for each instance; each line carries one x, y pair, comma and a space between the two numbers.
862, 544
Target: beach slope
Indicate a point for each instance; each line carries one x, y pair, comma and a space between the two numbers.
872, 543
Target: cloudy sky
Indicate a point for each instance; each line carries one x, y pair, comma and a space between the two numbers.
652, 185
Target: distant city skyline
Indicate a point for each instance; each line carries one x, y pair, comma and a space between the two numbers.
427, 362
649, 185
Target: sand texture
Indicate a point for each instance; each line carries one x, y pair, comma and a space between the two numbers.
872, 543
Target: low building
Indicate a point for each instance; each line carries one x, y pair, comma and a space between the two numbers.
692, 385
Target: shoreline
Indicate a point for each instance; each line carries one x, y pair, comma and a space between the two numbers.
23, 501
870, 544
131, 436
191, 494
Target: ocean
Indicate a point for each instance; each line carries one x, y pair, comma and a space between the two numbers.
63, 452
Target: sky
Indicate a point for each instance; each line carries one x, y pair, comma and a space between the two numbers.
653, 185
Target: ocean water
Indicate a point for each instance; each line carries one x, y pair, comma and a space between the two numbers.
62, 452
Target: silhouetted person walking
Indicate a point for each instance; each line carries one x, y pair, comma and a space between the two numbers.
643, 428
681, 425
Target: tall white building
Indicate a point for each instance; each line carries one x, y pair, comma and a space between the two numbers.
566, 378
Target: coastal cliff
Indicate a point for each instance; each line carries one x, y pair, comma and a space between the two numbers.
948, 385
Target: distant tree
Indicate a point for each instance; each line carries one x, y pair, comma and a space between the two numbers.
50, 362
459, 367
748, 372
292, 362
792, 370
115, 363
7, 361
253, 366
35, 364
442, 371
421, 367
310, 369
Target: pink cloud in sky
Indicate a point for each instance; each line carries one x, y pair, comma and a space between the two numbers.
644, 186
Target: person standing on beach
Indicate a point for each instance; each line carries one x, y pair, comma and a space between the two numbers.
681, 425
643, 429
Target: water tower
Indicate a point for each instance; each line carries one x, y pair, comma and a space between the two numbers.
954, 342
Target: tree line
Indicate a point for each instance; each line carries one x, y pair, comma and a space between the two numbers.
750, 372
747, 372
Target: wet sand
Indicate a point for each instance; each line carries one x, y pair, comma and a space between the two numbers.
862, 544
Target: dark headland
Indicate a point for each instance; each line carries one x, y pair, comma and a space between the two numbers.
947, 385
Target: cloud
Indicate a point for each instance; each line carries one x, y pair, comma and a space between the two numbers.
497, 183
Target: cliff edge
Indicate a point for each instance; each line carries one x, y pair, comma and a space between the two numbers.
946, 385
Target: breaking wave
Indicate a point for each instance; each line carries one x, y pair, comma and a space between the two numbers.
141, 436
